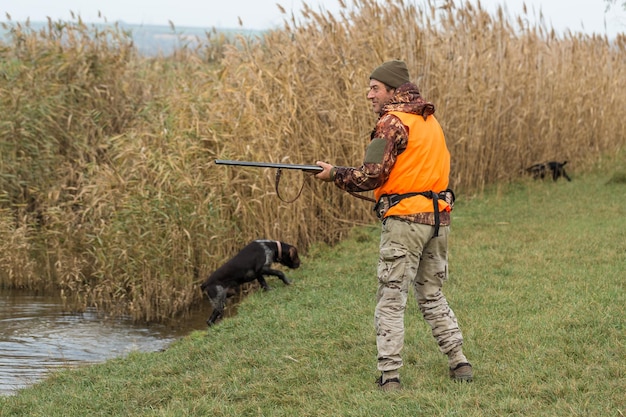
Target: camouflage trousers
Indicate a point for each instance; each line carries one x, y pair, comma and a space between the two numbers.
411, 256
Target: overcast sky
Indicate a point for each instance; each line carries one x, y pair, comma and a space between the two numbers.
577, 15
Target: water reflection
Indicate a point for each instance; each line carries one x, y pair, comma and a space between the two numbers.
36, 336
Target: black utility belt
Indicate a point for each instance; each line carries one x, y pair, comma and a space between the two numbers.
386, 201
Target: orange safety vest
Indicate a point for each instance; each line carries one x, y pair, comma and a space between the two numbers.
423, 166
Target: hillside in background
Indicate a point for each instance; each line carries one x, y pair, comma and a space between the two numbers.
152, 40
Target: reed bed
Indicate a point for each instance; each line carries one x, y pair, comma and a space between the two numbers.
109, 194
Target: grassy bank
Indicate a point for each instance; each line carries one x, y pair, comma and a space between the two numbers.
537, 281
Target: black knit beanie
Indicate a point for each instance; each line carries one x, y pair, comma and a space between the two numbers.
393, 73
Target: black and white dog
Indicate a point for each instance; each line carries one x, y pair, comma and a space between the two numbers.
252, 262
553, 168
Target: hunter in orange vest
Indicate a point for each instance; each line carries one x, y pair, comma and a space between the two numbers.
407, 164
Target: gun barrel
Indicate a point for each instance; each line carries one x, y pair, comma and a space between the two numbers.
308, 168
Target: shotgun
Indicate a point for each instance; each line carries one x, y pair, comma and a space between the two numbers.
306, 168
279, 168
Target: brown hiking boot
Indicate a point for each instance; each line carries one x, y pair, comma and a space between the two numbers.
392, 384
462, 372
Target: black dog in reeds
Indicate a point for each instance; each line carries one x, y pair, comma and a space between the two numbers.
553, 168
251, 263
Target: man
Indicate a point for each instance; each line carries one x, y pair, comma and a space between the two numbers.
407, 164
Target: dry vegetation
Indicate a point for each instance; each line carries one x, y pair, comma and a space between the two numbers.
108, 191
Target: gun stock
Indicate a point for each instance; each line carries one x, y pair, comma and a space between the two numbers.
301, 167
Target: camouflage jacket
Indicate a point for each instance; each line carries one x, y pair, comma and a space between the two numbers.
389, 127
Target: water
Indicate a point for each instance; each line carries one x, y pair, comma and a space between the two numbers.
36, 337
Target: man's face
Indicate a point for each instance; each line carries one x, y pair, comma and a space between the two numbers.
379, 95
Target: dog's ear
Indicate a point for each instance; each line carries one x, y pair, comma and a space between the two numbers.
293, 252
563, 164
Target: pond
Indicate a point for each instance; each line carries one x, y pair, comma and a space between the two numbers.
36, 336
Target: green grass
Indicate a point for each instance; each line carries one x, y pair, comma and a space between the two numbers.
537, 282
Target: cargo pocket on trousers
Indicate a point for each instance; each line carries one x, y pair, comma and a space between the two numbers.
392, 265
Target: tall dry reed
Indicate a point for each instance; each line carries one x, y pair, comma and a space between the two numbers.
109, 190
64, 94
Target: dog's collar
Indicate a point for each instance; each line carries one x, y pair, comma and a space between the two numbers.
279, 256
